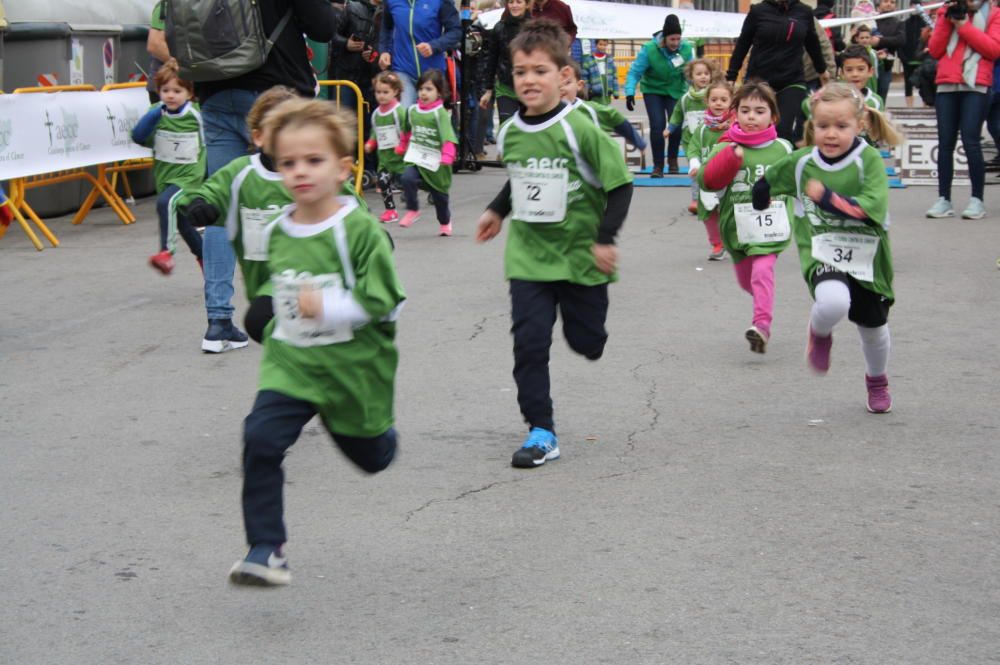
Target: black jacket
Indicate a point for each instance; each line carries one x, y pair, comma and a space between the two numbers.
834, 34
778, 32
360, 19
287, 63
892, 37
496, 54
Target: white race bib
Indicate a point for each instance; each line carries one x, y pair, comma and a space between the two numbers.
852, 253
422, 156
708, 199
692, 119
253, 222
756, 227
677, 60
176, 147
291, 326
538, 195
387, 136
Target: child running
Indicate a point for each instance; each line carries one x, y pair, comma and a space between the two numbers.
753, 238
332, 350
717, 119
856, 70
429, 147
247, 196
569, 191
574, 92
689, 111
841, 229
387, 128
173, 129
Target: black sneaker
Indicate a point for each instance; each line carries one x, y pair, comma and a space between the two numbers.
222, 335
264, 565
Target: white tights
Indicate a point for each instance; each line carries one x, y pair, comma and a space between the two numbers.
833, 302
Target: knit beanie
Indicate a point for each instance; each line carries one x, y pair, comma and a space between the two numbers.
671, 25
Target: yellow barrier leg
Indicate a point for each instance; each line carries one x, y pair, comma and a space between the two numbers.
27, 229
33, 216
88, 203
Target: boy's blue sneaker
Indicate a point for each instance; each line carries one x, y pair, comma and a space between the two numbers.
264, 565
540, 446
222, 336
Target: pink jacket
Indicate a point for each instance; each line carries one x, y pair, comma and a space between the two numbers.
987, 44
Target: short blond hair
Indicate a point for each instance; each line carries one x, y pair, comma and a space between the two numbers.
298, 113
877, 126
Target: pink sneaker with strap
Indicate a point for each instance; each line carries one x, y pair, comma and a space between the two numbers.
879, 399
818, 352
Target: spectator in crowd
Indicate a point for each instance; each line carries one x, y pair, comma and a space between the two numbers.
353, 55
914, 47
889, 37
779, 32
659, 71
560, 12
966, 42
824, 10
498, 74
812, 77
156, 45
414, 38
224, 108
600, 73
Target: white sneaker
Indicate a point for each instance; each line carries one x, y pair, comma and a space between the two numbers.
975, 209
941, 208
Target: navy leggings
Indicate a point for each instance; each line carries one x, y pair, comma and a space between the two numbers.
188, 232
411, 182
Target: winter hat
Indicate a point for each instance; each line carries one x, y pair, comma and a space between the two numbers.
671, 25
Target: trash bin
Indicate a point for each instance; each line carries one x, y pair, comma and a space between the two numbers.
65, 43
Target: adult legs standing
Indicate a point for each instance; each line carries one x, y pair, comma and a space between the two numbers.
409, 95
656, 112
973, 113
789, 106
947, 107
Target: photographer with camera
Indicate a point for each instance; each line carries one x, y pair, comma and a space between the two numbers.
965, 42
354, 54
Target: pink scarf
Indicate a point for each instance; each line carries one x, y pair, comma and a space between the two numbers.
430, 105
718, 122
385, 108
736, 134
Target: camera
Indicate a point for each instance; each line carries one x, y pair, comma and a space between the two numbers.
956, 10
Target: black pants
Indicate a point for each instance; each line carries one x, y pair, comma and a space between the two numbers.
533, 312
272, 427
385, 184
789, 106
411, 182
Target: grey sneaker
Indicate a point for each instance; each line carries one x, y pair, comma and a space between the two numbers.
941, 208
975, 209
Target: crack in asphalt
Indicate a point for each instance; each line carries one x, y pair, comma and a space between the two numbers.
651, 392
459, 497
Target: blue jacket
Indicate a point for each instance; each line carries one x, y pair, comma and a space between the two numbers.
406, 23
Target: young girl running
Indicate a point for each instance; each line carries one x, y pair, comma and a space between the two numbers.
332, 350
568, 195
856, 70
689, 111
174, 130
247, 196
387, 127
754, 239
841, 229
718, 116
574, 92
429, 147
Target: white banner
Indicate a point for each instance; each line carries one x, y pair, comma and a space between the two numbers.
608, 20
46, 132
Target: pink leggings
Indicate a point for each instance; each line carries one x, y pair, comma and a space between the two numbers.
756, 276
712, 228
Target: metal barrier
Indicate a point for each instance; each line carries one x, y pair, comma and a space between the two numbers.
359, 164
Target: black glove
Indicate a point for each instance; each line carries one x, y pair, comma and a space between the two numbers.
630, 102
201, 213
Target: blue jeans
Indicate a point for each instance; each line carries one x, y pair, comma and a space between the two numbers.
993, 118
409, 95
658, 110
960, 112
226, 138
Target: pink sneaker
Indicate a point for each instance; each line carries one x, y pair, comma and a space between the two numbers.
409, 218
879, 399
163, 261
445, 229
818, 352
389, 216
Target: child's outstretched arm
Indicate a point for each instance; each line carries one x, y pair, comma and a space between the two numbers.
627, 131
448, 153
147, 124
722, 168
491, 221
615, 212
